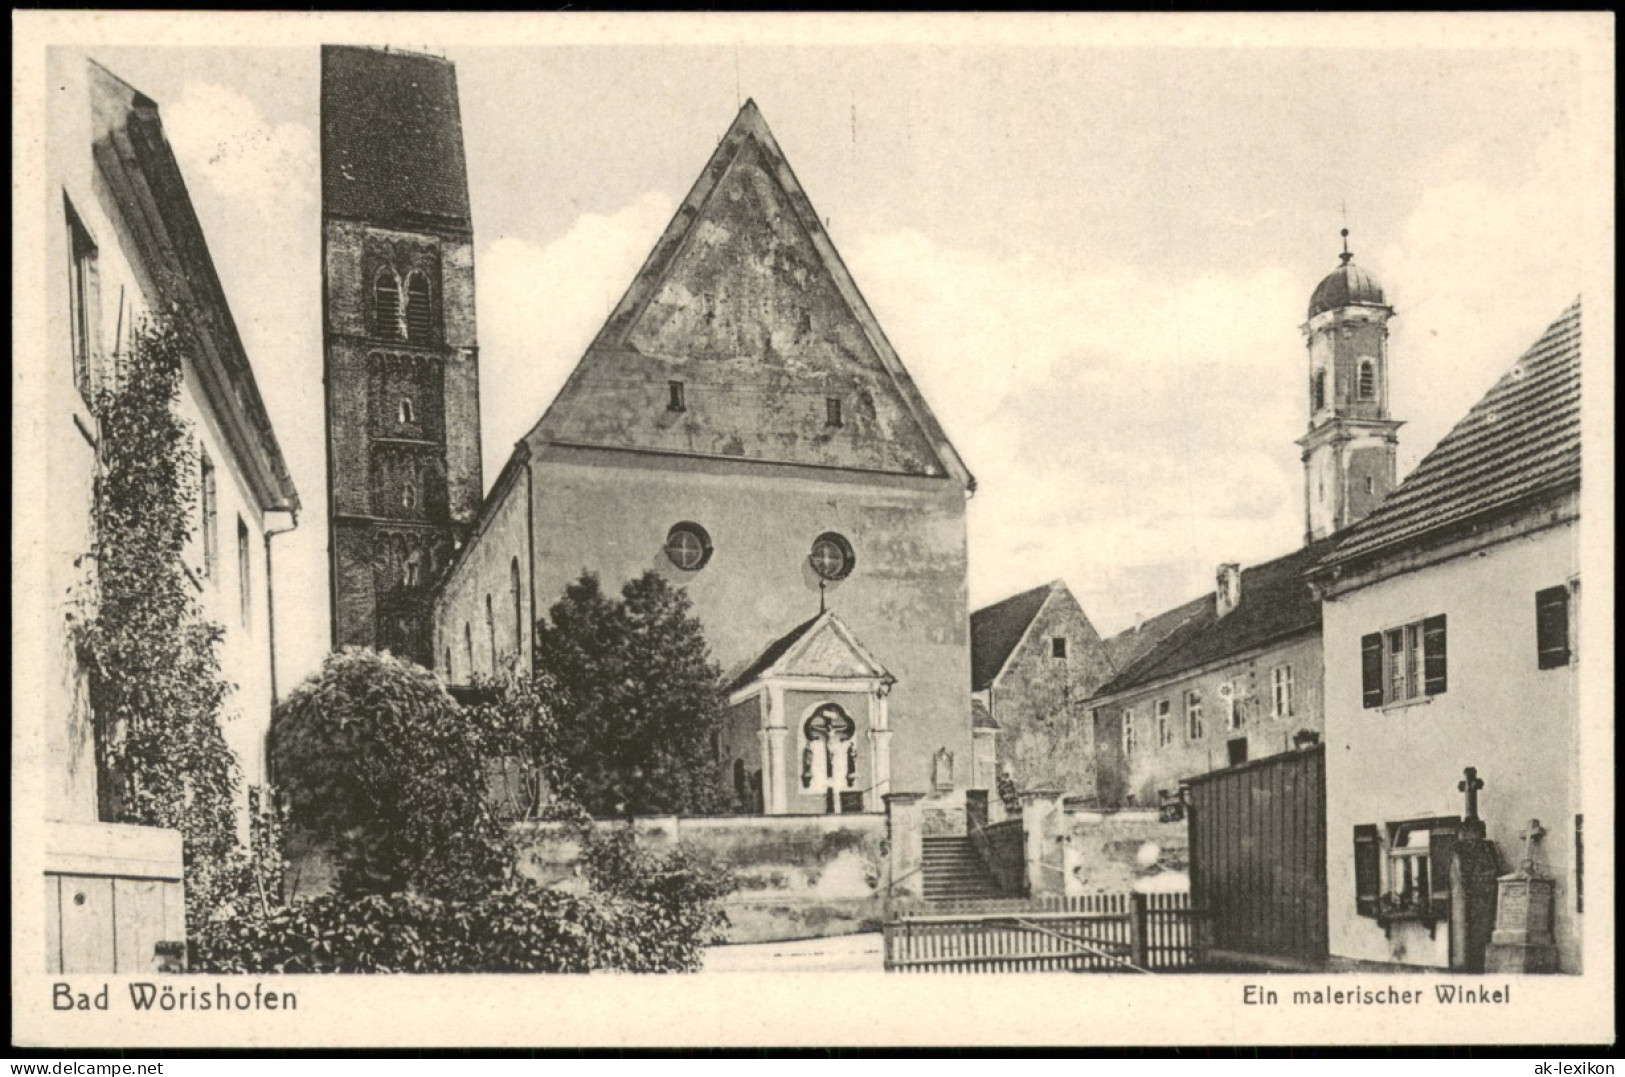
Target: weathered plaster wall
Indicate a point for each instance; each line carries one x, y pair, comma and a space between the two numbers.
1114, 851
1500, 713
486, 567
800, 876
1153, 766
610, 512
124, 274
1045, 736
749, 320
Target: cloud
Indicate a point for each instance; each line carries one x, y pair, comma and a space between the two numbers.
1120, 425
223, 139
541, 305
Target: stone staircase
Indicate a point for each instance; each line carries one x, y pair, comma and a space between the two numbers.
953, 871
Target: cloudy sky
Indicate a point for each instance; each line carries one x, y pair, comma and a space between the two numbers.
1093, 256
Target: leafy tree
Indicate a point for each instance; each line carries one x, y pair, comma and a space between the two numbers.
377, 760
152, 662
640, 697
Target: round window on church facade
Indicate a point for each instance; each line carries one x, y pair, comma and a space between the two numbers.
688, 546
832, 556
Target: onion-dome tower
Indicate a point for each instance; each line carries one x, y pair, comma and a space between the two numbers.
1349, 452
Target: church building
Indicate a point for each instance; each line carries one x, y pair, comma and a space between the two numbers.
1236, 674
742, 426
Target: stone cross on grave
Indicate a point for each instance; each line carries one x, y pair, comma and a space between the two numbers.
1531, 840
1470, 785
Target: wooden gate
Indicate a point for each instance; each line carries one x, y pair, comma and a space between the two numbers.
1258, 860
1090, 933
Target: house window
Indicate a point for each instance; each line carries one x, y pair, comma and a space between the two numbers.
688, 546
1165, 723
209, 498
1057, 647
83, 305
1193, 715
1368, 380
1317, 390
1230, 700
244, 588
1552, 627
832, 411
405, 412
675, 401
386, 305
832, 557
1281, 692
1403, 664
518, 606
1402, 870
468, 649
1128, 733
418, 314
1237, 751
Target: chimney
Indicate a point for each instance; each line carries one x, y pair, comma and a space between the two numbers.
1229, 589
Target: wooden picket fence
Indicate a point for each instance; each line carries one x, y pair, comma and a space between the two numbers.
1089, 933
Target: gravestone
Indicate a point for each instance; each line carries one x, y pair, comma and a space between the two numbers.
1475, 868
1523, 940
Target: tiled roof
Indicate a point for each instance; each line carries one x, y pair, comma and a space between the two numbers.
1125, 648
1276, 603
996, 630
392, 137
980, 716
1521, 439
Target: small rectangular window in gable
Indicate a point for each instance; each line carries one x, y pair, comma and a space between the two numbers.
832, 411
675, 400
1057, 647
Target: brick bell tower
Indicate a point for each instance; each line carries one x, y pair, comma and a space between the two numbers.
401, 363
1349, 453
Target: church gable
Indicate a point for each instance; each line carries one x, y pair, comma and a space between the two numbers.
743, 336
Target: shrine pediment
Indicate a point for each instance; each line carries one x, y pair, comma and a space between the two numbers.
822, 649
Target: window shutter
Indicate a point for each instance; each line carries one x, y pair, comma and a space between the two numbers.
1441, 854
1552, 627
1371, 669
1367, 870
1433, 657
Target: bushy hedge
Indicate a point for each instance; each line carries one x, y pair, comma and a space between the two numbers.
646, 912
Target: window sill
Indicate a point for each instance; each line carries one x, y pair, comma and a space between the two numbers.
1402, 704
1409, 916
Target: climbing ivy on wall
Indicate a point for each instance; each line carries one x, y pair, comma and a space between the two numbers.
152, 662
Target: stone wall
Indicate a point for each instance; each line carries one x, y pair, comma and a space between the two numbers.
1073, 850
800, 876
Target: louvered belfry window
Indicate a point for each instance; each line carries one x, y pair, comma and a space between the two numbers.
418, 310
386, 305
